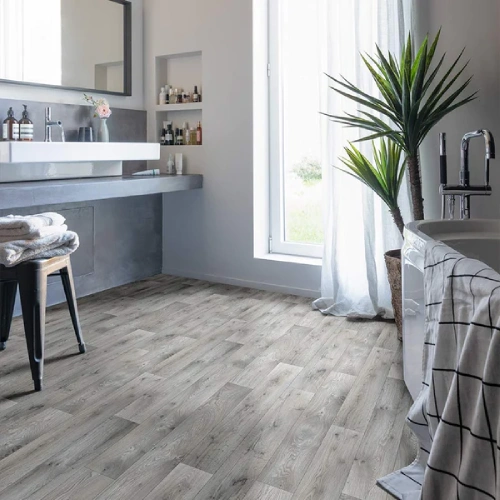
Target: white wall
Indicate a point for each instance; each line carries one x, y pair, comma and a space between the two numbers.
473, 25
209, 233
136, 101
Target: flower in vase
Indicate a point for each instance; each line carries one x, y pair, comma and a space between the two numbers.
101, 106
102, 111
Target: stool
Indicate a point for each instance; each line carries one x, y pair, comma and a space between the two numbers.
31, 277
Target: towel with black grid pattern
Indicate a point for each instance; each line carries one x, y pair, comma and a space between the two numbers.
456, 416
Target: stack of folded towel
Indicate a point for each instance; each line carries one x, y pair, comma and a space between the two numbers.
40, 236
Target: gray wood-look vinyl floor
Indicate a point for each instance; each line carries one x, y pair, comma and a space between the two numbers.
194, 391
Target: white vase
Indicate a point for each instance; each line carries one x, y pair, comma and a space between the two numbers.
103, 131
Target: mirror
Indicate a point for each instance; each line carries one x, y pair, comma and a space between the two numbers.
71, 44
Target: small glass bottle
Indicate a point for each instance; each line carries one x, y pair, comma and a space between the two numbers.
167, 94
25, 126
162, 99
187, 135
171, 96
199, 135
170, 164
10, 127
179, 140
169, 135
179, 96
196, 96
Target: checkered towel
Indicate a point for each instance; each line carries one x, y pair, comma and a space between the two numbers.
456, 417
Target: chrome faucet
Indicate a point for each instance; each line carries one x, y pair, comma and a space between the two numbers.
464, 189
49, 124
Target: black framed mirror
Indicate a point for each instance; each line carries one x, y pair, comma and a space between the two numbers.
83, 45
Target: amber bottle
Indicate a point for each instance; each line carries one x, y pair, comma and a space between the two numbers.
10, 127
199, 135
25, 126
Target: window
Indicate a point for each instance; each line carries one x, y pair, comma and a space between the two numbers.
295, 79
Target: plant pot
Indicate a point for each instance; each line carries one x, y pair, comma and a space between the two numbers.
393, 264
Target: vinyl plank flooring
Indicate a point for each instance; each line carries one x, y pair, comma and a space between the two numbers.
234, 478
145, 474
260, 491
183, 483
200, 391
358, 406
328, 472
82, 484
212, 451
290, 462
375, 457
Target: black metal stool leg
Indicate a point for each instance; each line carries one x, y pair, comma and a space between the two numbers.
33, 292
8, 291
69, 290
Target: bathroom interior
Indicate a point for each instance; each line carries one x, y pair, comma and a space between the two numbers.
273, 228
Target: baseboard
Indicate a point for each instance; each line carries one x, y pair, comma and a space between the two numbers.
269, 287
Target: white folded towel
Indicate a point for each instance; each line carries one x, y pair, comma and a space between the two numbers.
25, 227
54, 245
39, 233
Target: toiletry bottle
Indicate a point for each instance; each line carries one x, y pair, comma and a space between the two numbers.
163, 96
199, 138
192, 136
179, 168
196, 96
171, 96
170, 164
25, 126
179, 140
163, 134
179, 96
187, 136
10, 127
167, 94
169, 135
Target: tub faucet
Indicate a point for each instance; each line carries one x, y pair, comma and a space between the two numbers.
49, 124
464, 189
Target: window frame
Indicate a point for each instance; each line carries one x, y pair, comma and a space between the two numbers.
277, 228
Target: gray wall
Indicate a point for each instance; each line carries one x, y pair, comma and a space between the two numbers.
120, 242
121, 239
125, 125
473, 25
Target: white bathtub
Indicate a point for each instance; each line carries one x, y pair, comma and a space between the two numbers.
476, 238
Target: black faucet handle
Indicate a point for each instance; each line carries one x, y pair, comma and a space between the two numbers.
443, 159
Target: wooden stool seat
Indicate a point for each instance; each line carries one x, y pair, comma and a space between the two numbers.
31, 278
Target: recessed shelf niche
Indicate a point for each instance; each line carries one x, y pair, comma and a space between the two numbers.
181, 71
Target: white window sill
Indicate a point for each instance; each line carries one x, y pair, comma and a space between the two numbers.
294, 259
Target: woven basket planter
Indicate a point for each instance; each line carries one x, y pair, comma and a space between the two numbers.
393, 264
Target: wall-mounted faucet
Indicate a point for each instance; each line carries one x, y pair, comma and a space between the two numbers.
464, 189
49, 124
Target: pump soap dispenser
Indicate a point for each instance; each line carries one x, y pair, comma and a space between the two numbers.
10, 130
25, 126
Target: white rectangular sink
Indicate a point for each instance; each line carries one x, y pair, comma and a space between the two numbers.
33, 161
56, 152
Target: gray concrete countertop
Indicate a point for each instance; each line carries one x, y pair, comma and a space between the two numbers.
29, 194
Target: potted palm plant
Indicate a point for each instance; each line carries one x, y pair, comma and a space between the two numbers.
384, 176
415, 93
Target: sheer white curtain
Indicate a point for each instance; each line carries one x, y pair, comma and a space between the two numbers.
358, 227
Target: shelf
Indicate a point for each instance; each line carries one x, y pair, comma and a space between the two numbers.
190, 106
183, 146
36, 193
